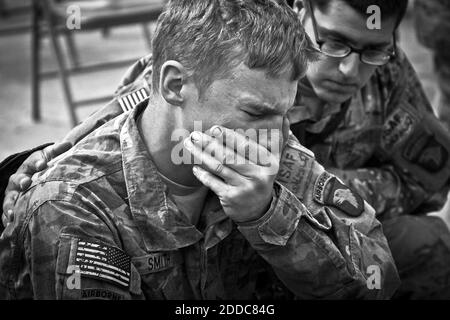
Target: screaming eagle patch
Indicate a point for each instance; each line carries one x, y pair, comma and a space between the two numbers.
330, 191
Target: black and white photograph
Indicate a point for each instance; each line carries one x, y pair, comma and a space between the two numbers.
250, 153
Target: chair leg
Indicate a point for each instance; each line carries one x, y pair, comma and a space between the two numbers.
106, 32
147, 35
64, 75
35, 65
3, 11
72, 49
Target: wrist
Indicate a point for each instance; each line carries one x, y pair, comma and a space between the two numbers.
256, 215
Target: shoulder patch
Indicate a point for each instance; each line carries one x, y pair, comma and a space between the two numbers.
296, 168
328, 190
427, 152
397, 127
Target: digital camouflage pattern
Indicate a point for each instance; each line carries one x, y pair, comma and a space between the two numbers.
103, 209
397, 194
365, 147
354, 149
432, 20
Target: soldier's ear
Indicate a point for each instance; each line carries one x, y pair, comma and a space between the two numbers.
171, 80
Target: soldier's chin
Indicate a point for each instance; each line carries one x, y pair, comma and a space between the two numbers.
332, 96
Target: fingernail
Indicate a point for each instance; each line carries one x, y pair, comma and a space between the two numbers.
10, 213
196, 136
23, 183
40, 164
216, 131
195, 170
187, 143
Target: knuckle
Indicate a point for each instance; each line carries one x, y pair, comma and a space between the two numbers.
261, 182
219, 168
249, 187
209, 144
228, 157
46, 154
231, 195
14, 181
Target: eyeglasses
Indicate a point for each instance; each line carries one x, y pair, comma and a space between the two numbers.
337, 49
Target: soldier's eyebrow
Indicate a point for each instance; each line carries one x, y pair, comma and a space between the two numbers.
257, 106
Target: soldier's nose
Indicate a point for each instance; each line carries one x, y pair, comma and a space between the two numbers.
349, 66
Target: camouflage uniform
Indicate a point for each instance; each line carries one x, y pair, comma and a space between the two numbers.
387, 144
432, 19
102, 213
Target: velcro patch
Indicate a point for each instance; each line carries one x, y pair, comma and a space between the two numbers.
296, 168
156, 262
426, 152
130, 100
396, 128
330, 191
103, 262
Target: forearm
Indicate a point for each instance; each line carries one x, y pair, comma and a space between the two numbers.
320, 258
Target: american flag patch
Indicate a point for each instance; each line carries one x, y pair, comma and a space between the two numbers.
105, 262
128, 101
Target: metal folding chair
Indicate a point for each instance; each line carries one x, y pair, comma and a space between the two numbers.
49, 17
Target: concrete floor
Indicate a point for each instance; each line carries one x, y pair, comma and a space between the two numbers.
19, 132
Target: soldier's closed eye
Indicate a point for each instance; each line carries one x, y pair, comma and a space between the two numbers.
252, 114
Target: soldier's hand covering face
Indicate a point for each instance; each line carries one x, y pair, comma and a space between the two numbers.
237, 168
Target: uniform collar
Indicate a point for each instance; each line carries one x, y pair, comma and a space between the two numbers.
160, 223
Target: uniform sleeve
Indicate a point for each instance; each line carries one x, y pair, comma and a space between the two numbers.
413, 175
321, 239
62, 251
392, 194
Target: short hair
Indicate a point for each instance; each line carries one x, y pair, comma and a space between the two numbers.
389, 8
211, 37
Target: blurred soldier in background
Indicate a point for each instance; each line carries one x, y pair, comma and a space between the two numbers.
432, 18
364, 114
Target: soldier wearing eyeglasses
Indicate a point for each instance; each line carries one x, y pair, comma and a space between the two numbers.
362, 111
